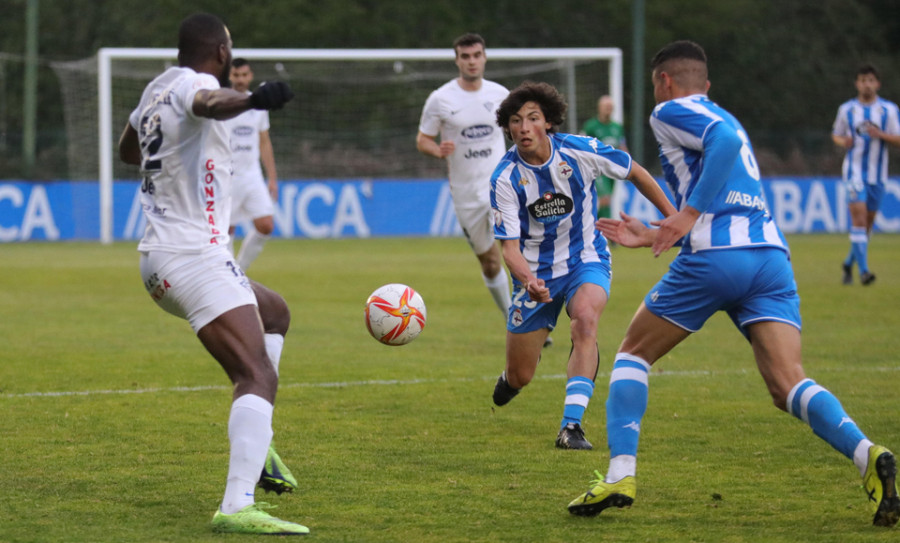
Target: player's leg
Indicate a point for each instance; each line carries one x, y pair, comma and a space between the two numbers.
874, 195
255, 240
587, 296
776, 346
276, 320
478, 227
523, 352
648, 338
257, 203
235, 339
496, 279
858, 239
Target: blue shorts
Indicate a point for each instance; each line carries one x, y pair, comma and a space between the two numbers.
528, 316
751, 285
865, 192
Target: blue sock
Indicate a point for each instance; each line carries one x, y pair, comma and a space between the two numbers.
851, 256
627, 402
823, 412
578, 393
859, 242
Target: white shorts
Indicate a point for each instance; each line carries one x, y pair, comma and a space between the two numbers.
478, 226
196, 286
250, 198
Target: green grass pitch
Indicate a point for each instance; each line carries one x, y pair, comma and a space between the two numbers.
113, 424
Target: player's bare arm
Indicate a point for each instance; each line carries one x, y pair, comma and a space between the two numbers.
673, 228
651, 190
129, 146
220, 104
428, 145
518, 268
893, 139
627, 232
844, 142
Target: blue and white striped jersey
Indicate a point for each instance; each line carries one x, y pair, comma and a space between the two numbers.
737, 216
867, 160
551, 208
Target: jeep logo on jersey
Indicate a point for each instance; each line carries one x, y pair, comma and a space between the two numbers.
551, 208
243, 130
477, 132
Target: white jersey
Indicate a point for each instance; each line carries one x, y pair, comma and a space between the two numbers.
469, 119
186, 164
244, 131
867, 161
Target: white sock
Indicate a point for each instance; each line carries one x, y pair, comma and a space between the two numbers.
251, 247
861, 456
274, 345
499, 289
250, 432
624, 465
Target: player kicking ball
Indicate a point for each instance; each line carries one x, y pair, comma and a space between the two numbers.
185, 159
733, 258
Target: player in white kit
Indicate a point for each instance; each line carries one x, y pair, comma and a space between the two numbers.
462, 114
252, 194
185, 160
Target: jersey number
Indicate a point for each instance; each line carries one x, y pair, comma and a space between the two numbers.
747, 156
151, 140
518, 299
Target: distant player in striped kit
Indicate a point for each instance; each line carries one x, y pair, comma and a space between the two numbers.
733, 258
863, 127
545, 204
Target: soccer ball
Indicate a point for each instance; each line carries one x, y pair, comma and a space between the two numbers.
395, 314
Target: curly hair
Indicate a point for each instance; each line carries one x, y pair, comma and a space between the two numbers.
545, 95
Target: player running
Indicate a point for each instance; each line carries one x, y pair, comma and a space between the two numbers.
545, 203
733, 258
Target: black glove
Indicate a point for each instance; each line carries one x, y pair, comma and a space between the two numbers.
271, 95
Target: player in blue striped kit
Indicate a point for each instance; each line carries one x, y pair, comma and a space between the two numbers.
863, 127
545, 203
733, 258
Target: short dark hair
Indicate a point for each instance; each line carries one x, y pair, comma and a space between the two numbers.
681, 49
239, 62
685, 62
867, 69
199, 38
467, 39
551, 102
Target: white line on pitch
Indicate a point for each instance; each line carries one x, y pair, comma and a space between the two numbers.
394, 382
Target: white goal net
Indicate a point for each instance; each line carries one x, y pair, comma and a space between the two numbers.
355, 114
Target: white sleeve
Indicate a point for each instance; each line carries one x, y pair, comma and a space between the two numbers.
506, 214
431, 121
893, 121
191, 86
841, 127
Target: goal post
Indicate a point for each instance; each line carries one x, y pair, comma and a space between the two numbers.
422, 69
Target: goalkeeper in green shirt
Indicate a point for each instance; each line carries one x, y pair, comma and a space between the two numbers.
611, 133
